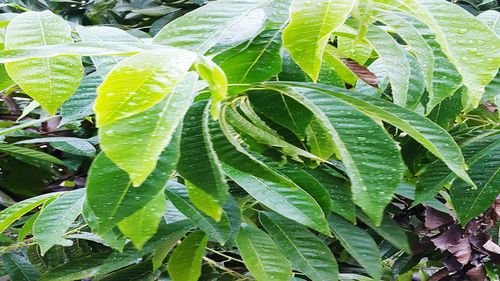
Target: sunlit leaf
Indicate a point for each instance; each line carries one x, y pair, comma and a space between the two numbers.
50, 81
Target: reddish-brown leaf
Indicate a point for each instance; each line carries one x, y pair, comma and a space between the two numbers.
462, 251
477, 273
435, 219
362, 72
448, 238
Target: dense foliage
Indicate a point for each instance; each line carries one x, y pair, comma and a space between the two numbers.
250, 140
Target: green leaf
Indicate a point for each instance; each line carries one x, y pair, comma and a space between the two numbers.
446, 112
143, 224
360, 246
437, 175
30, 153
19, 268
373, 164
50, 81
27, 227
150, 130
266, 185
81, 104
470, 202
14, 212
428, 134
185, 262
446, 79
318, 140
261, 255
203, 201
264, 137
390, 231
411, 36
260, 59
55, 219
104, 34
97, 264
219, 231
140, 271
215, 24
306, 252
307, 182
309, 30
394, 60
282, 110
139, 82
71, 145
451, 24
340, 192
108, 185
198, 162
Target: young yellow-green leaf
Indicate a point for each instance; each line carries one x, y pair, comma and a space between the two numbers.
204, 201
139, 82
5, 81
14, 212
163, 250
50, 81
310, 27
357, 51
77, 49
215, 24
216, 79
476, 58
27, 227
135, 143
332, 58
19, 268
108, 185
55, 219
306, 252
143, 224
261, 255
198, 162
358, 244
185, 262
